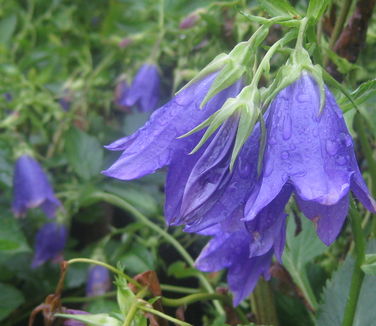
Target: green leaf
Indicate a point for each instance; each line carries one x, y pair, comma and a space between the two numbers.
7, 28
135, 195
316, 8
364, 92
278, 8
300, 250
93, 320
336, 292
180, 270
369, 266
137, 260
12, 240
84, 153
10, 299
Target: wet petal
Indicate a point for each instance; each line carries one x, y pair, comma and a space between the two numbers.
152, 146
328, 219
211, 172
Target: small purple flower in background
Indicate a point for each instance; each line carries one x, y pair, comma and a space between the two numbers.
66, 100
144, 92
31, 188
8, 97
189, 21
49, 243
98, 282
125, 42
313, 152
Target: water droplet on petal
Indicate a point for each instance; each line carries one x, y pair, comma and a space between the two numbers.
268, 168
300, 173
331, 147
315, 132
302, 97
341, 160
272, 140
292, 147
346, 139
287, 127
285, 155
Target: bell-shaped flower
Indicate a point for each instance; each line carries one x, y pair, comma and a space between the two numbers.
98, 281
312, 151
144, 92
156, 144
246, 249
31, 188
49, 243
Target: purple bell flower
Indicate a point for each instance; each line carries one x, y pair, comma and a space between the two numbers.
49, 243
31, 188
155, 145
144, 92
314, 153
99, 281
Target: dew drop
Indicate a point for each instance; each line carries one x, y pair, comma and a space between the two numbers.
315, 132
287, 127
285, 155
268, 168
346, 139
302, 97
292, 147
272, 140
341, 160
331, 147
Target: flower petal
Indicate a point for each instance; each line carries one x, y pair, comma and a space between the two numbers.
152, 146
328, 219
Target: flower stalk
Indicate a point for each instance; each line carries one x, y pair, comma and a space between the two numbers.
358, 274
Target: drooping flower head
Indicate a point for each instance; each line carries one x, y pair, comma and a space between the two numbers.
314, 153
144, 92
49, 243
31, 188
98, 282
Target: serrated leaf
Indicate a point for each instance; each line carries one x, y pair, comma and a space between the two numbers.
93, 320
316, 8
300, 250
278, 8
84, 153
10, 299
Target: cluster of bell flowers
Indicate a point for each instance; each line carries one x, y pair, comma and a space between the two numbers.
233, 181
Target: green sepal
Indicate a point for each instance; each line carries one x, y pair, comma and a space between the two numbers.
230, 74
93, 319
216, 64
316, 72
125, 297
249, 110
216, 120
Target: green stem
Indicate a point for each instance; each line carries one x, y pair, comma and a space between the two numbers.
117, 201
109, 267
358, 274
178, 289
161, 314
194, 298
340, 22
263, 306
131, 314
301, 33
